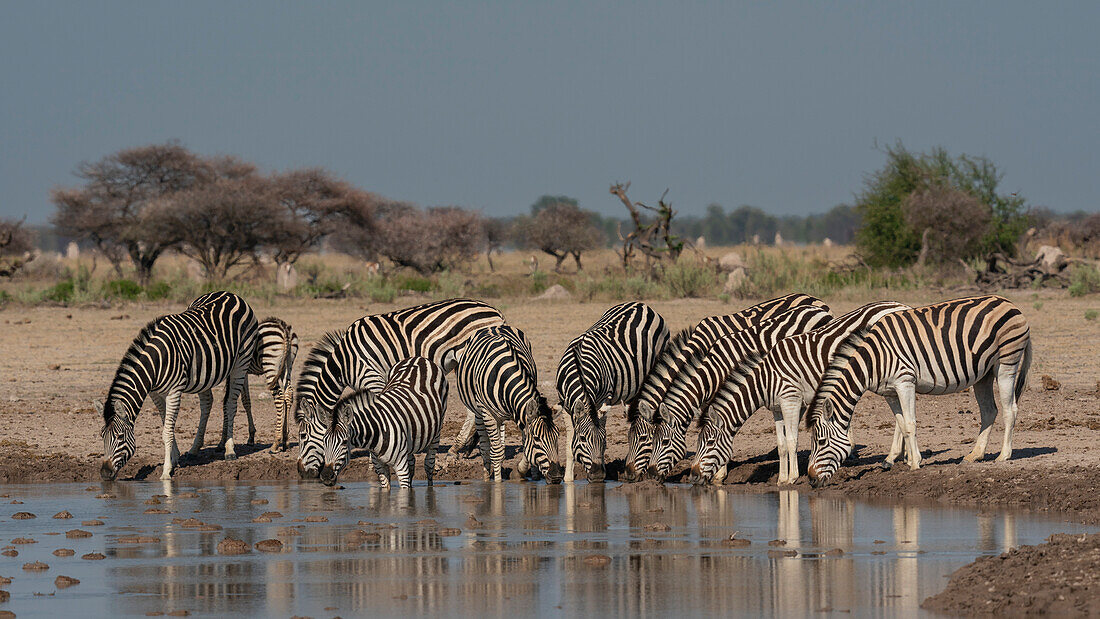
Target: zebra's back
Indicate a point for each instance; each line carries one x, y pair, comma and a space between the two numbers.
497, 372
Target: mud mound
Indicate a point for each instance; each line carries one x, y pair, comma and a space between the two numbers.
1060, 577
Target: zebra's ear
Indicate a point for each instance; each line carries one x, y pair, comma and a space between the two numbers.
98, 406
827, 410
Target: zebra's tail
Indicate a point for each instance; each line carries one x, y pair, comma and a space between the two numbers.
1022, 371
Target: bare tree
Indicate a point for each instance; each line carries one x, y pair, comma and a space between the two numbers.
109, 209
16, 244
429, 241
221, 224
654, 238
314, 205
561, 230
496, 234
952, 222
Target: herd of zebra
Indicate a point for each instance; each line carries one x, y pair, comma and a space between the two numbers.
381, 386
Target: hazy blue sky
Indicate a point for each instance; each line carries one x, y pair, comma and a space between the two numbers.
777, 105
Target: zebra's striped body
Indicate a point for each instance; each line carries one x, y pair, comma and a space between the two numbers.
685, 345
783, 381
361, 357
498, 381
394, 423
273, 359
605, 365
701, 377
943, 348
191, 352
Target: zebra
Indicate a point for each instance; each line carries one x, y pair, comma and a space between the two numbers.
941, 348
273, 358
190, 352
701, 377
394, 423
498, 381
784, 380
605, 365
684, 345
361, 356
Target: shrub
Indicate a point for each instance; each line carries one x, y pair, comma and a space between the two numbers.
122, 289
689, 278
61, 292
415, 284
1091, 314
158, 290
1084, 280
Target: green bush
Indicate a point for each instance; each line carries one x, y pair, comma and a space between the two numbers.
539, 282
1091, 314
415, 283
61, 292
122, 289
158, 290
689, 278
1085, 279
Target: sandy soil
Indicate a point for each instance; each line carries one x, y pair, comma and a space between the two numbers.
57, 360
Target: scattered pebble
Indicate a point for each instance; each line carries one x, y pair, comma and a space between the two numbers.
288, 532
782, 553
878, 552
736, 542
261, 519
316, 519
157, 510
93, 556
17, 502
22, 516
63, 582
657, 526
36, 566
259, 501
9, 552
448, 532
269, 545
92, 523
4, 597
473, 523
188, 495
154, 613
879, 541
62, 515
152, 501
178, 613
203, 490
597, 560
835, 552
24, 540
77, 534
429, 522
4, 580
105, 495
778, 542
230, 546
64, 552
273, 515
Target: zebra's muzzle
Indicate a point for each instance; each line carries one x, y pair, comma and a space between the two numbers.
328, 476
817, 480
305, 473
107, 471
596, 473
554, 474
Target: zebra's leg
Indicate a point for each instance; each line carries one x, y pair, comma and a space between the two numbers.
907, 394
987, 408
792, 409
382, 470
1006, 380
568, 451
429, 460
781, 446
481, 422
899, 431
229, 411
402, 469
168, 433
206, 402
498, 457
279, 443
464, 441
246, 402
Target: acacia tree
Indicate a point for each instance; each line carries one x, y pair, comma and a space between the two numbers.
429, 240
560, 229
314, 204
951, 222
111, 208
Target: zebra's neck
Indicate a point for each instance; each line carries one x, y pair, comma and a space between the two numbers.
742, 394
133, 381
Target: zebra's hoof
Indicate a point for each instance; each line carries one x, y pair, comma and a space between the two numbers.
886, 466
230, 456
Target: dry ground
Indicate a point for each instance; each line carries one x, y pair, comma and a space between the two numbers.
57, 360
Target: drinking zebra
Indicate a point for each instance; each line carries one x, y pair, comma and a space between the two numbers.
783, 381
361, 357
698, 381
941, 348
191, 352
498, 381
684, 345
605, 365
394, 423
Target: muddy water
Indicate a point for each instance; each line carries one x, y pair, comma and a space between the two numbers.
512, 549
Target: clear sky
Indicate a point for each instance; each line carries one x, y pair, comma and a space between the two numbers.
489, 106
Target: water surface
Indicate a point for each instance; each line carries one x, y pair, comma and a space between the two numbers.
520, 548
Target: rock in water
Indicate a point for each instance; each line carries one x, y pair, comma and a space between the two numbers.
230, 546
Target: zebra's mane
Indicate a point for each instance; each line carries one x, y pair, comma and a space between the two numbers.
322, 352
740, 374
132, 356
837, 365
675, 344
340, 408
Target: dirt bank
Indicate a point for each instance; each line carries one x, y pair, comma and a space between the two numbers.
1060, 577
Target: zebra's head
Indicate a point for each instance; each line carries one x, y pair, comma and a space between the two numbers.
669, 447
713, 453
831, 444
311, 438
639, 436
589, 439
118, 437
337, 447
540, 439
